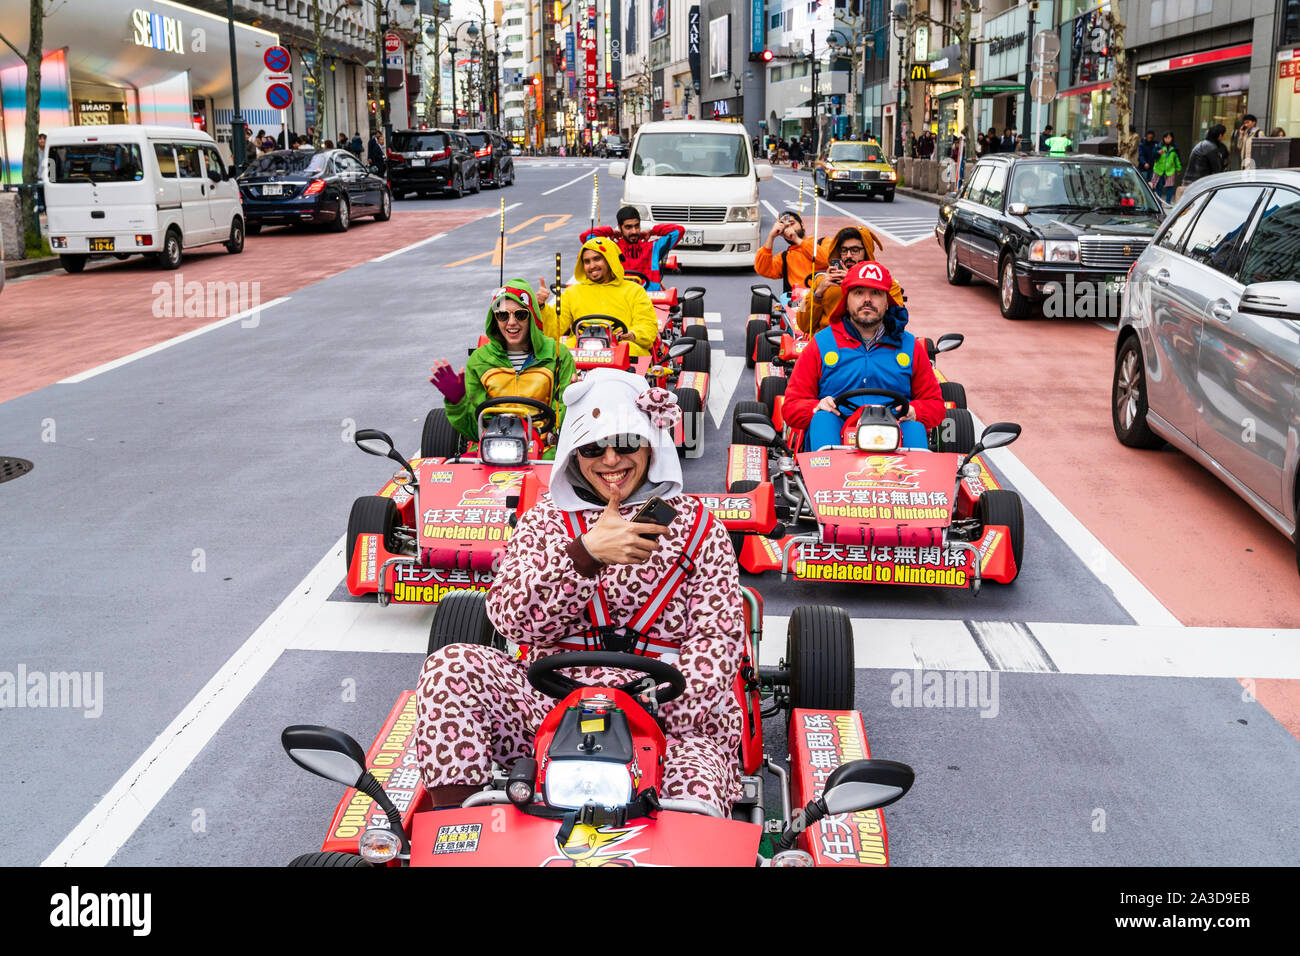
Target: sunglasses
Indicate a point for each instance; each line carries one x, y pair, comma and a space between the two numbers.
622, 445
521, 315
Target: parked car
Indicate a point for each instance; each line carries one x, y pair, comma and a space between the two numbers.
1029, 223
312, 186
492, 150
123, 190
425, 161
702, 176
1208, 352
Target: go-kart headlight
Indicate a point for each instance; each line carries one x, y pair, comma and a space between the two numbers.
503, 451
876, 437
792, 858
573, 783
743, 214
1053, 250
591, 342
379, 845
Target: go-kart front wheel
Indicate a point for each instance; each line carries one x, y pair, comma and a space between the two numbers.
439, 438
819, 657
331, 858
956, 432
753, 329
738, 436
768, 390
698, 358
953, 392
371, 515
688, 400
461, 618
1003, 506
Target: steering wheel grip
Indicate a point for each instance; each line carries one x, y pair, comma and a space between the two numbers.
900, 405
617, 324
544, 677
545, 412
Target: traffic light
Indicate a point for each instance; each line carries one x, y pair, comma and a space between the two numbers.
763, 57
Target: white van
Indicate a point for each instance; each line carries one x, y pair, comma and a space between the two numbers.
700, 175
122, 189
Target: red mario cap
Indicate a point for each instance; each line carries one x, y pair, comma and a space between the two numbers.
867, 275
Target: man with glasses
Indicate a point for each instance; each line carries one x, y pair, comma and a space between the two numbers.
851, 245
518, 360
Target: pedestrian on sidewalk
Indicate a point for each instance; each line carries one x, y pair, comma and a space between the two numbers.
375, 153
1147, 151
1206, 158
1167, 166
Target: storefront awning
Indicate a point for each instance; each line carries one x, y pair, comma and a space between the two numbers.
985, 91
1194, 60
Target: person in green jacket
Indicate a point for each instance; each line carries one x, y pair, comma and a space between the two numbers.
1167, 167
518, 360
1059, 145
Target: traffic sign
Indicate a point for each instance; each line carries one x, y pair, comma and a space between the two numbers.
279, 96
1047, 46
276, 59
1042, 89
392, 43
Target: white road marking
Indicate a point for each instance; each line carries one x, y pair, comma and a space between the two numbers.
712, 316
1009, 646
158, 347
415, 245
776, 213
722, 383
112, 821
857, 216
569, 183
1132, 595
715, 335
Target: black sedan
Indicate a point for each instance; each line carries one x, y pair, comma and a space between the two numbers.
492, 150
432, 160
1054, 228
311, 186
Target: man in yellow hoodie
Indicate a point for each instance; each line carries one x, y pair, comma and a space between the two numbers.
602, 290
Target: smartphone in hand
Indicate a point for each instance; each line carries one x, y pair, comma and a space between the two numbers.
655, 511
837, 263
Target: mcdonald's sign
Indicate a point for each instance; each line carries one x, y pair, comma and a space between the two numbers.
920, 71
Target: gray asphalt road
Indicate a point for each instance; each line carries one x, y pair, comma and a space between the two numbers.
234, 443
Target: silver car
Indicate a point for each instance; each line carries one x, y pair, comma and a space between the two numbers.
1208, 348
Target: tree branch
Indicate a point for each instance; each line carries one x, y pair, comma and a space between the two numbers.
20, 53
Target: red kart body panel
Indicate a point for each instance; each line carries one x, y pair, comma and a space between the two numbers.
819, 742
502, 835
647, 739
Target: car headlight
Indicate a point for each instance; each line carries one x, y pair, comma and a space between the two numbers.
875, 437
743, 214
947, 211
379, 845
503, 451
891, 175
838, 174
642, 211
573, 783
1054, 250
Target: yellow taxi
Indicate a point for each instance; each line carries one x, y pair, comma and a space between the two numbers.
854, 167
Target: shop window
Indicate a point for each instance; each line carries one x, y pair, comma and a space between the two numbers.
1274, 253
1291, 22
1214, 239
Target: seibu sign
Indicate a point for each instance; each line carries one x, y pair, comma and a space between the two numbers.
155, 30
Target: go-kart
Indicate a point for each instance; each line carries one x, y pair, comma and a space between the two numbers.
590, 796
869, 509
440, 525
774, 341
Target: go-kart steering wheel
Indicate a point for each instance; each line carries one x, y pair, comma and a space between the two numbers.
543, 673
544, 420
597, 318
639, 277
899, 406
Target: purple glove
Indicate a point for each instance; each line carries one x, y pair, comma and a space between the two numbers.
451, 384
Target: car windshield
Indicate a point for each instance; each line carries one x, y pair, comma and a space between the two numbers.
613, 140
419, 142
288, 162
1103, 187
97, 163
855, 153
690, 154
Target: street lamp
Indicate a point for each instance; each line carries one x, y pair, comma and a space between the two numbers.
901, 13
453, 40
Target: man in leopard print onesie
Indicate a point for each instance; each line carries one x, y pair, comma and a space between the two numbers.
615, 452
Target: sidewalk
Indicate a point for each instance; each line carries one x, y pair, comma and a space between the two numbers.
918, 194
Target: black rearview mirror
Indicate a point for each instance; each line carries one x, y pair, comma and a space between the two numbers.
326, 752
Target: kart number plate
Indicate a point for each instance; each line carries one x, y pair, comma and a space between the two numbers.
273, 190
101, 245
693, 237
418, 162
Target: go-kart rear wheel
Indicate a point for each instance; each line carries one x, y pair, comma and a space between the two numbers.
764, 350
461, 618
953, 392
1002, 506
331, 858
768, 390
753, 329
699, 358
819, 657
738, 437
956, 432
371, 515
760, 303
439, 438
693, 305
688, 400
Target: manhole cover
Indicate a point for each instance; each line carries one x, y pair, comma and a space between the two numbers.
14, 468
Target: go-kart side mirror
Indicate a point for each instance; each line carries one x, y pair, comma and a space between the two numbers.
948, 342
761, 290
374, 442
681, 347
326, 752
866, 785
758, 428
774, 337
998, 434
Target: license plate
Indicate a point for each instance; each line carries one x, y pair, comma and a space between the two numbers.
417, 162
692, 237
101, 245
1116, 286
276, 190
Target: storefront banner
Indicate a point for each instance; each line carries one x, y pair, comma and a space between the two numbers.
1240, 52
757, 31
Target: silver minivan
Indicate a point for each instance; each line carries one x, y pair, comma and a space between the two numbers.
1208, 351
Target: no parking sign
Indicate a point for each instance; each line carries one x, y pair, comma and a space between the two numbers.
276, 59
279, 96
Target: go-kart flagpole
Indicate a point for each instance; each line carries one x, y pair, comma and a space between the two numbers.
501, 277
817, 206
801, 197
559, 286
595, 200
